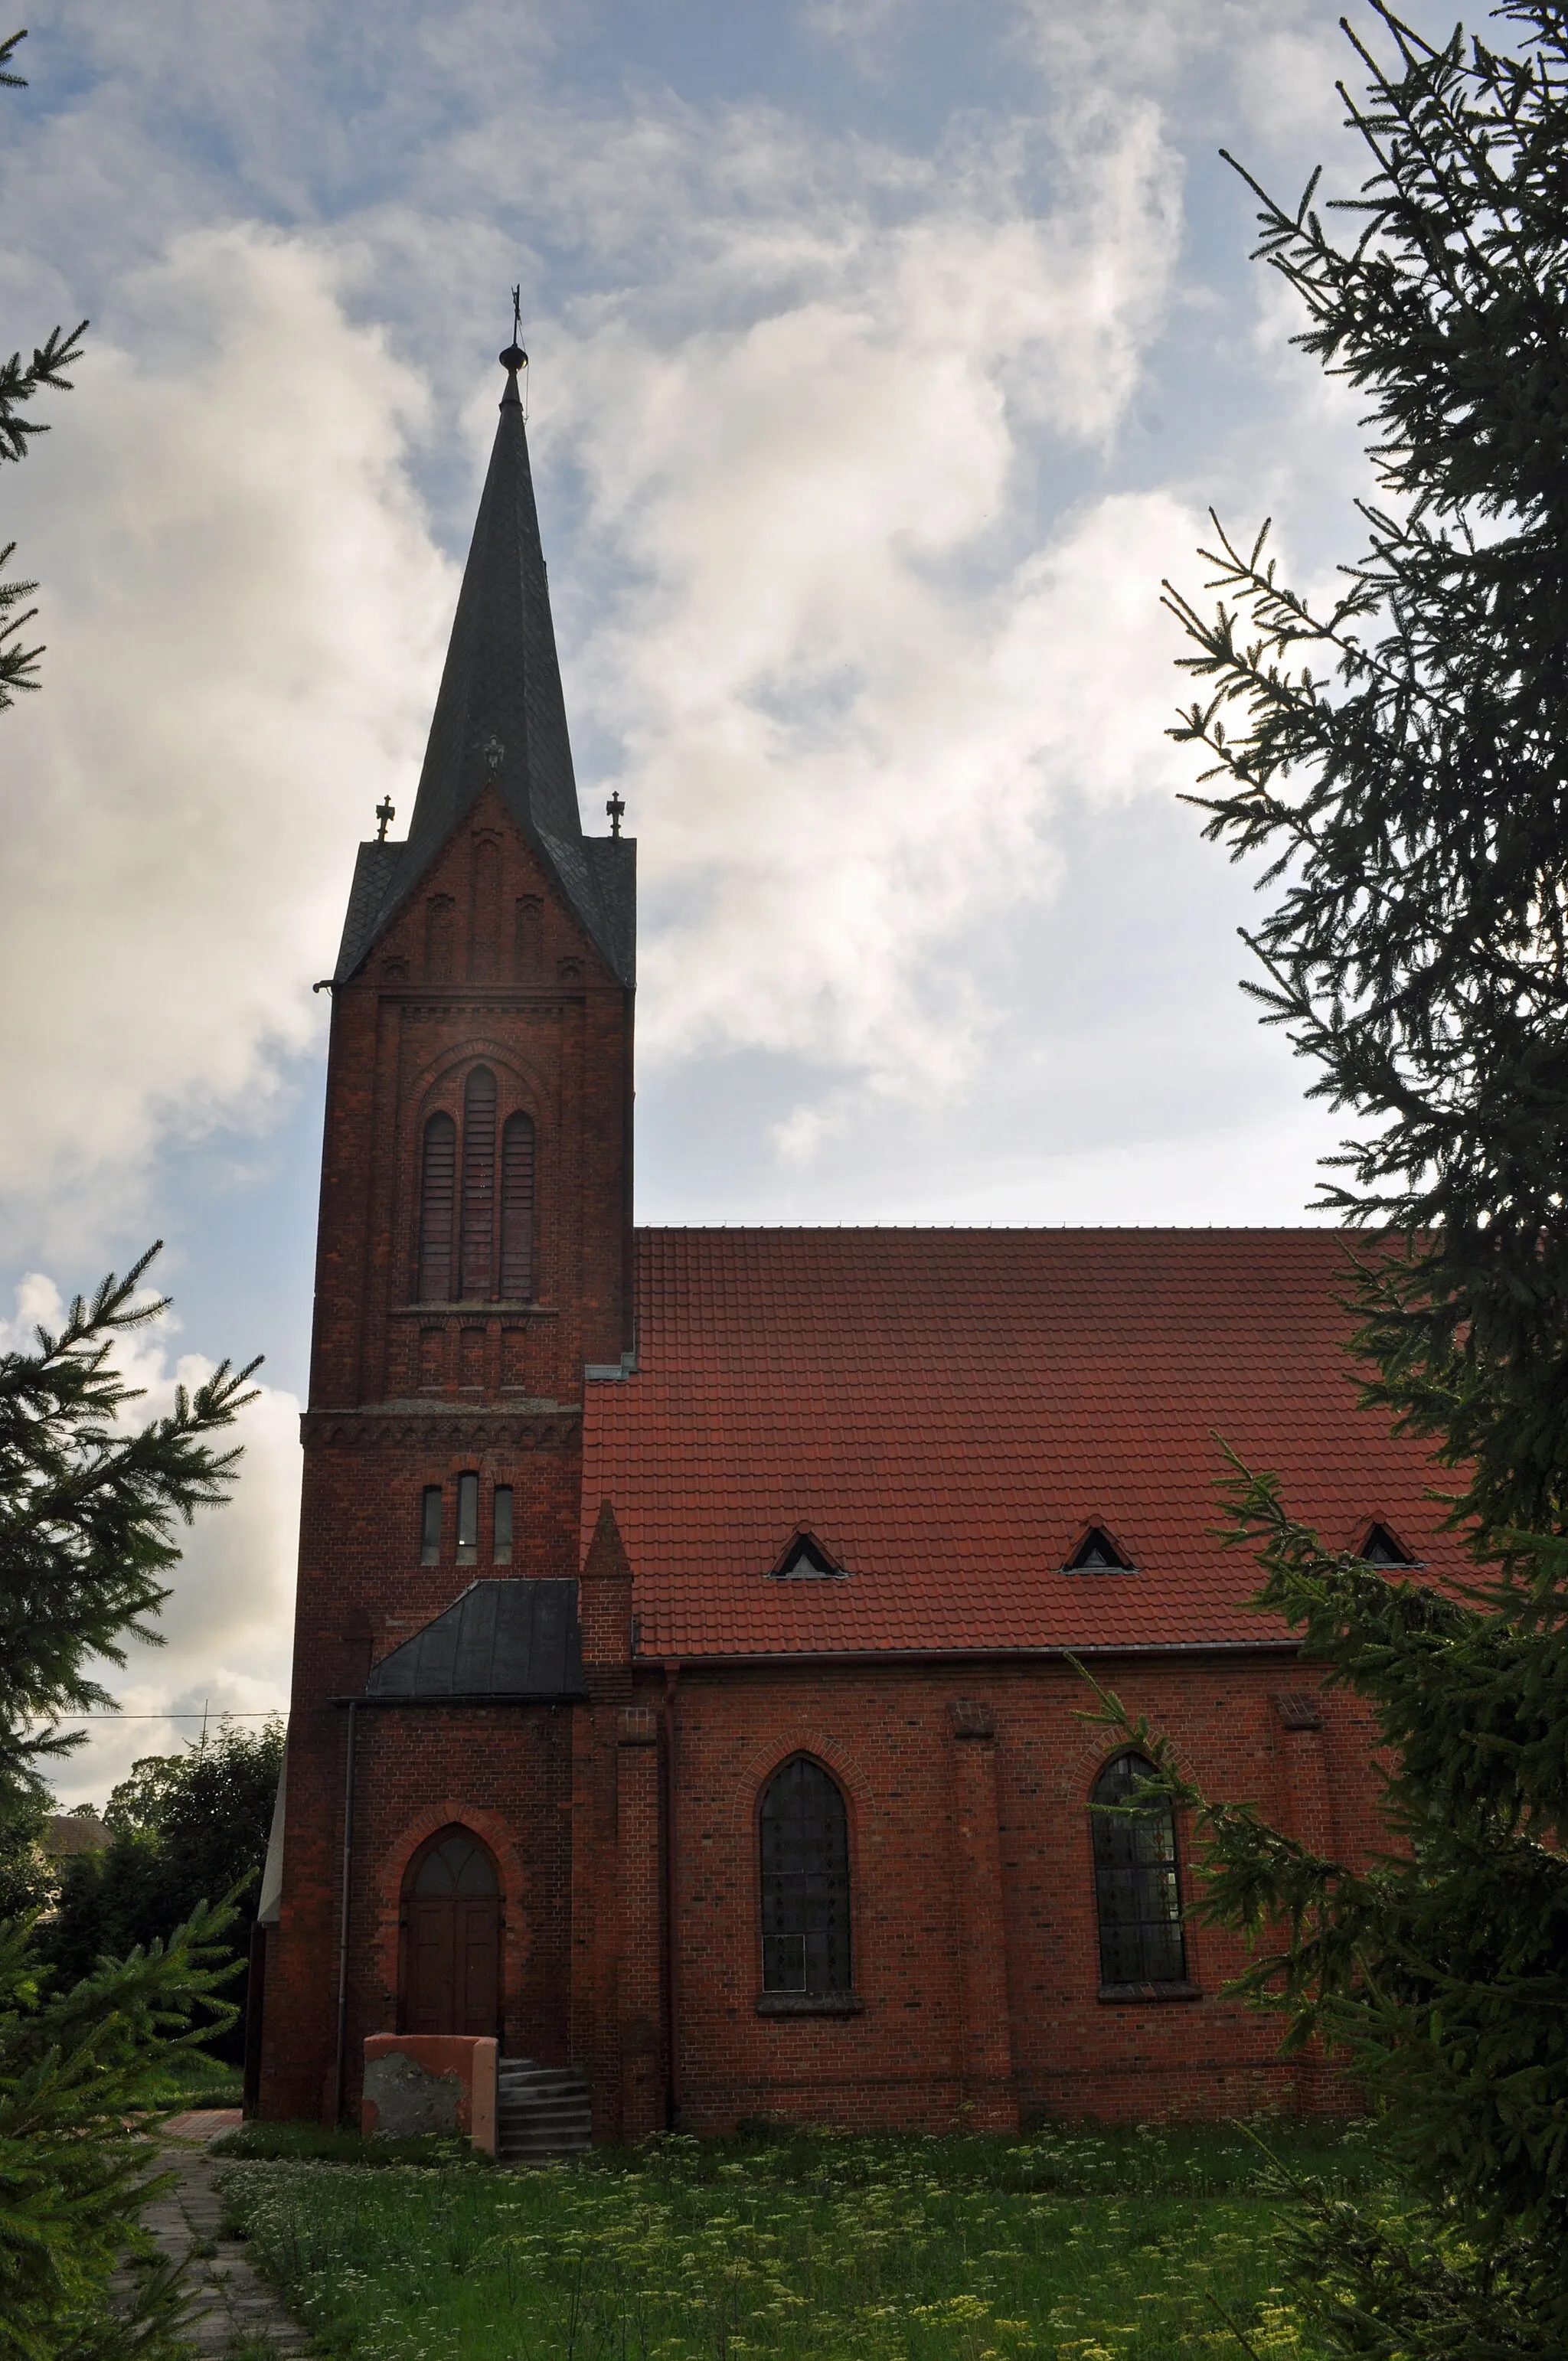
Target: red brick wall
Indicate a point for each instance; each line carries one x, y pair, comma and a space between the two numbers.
929, 1944
405, 1395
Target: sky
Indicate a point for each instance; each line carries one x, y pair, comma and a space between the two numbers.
885, 355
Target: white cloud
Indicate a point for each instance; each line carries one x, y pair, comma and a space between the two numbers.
243, 612
849, 681
228, 1625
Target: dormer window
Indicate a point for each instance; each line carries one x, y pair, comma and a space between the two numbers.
1098, 1552
805, 1560
1383, 1547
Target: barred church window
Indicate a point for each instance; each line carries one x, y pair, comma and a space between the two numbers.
1137, 1892
517, 1209
502, 1555
805, 1843
436, 1186
430, 1526
467, 1521
478, 1186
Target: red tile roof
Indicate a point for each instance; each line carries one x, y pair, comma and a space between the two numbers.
948, 1410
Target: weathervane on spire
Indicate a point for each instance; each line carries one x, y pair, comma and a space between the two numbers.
514, 357
616, 809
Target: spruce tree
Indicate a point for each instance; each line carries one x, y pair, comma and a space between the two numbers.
20, 383
1400, 760
90, 1503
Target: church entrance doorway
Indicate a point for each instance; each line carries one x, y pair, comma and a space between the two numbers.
451, 1957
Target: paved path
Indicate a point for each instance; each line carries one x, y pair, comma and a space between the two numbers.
235, 2305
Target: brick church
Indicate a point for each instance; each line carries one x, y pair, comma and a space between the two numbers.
681, 1687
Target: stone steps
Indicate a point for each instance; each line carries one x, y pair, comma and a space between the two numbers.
542, 2113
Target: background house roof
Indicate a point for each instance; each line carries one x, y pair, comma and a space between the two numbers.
948, 1410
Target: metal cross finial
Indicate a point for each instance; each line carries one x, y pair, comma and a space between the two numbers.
386, 815
616, 809
514, 357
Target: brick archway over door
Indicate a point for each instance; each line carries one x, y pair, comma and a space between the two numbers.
452, 1949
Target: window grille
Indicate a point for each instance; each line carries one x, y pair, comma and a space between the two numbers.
1137, 1890
436, 1185
517, 1209
430, 1526
502, 1555
478, 1185
468, 1520
806, 1883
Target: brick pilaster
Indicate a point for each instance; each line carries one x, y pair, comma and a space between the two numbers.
640, 1982
990, 2098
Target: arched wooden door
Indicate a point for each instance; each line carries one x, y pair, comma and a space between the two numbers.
452, 1959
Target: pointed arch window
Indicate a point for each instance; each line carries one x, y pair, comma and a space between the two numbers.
478, 1186
517, 1209
1137, 1892
437, 1186
477, 1207
805, 1846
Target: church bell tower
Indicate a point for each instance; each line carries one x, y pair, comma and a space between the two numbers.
472, 1272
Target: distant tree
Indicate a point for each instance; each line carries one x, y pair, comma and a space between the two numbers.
184, 1828
20, 383
1401, 761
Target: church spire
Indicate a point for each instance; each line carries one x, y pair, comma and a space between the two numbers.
500, 713
500, 716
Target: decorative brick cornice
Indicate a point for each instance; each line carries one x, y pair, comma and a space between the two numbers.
441, 1426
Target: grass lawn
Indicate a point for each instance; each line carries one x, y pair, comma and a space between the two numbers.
192, 2080
1091, 2246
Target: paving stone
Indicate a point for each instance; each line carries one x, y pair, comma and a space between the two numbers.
232, 2301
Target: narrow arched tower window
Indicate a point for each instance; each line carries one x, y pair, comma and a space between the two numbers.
1137, 1891
517, 1209
437, 1182
804, 1841
478, 1186
485, 924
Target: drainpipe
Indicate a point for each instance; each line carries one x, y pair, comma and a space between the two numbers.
672, 1952
343, 1915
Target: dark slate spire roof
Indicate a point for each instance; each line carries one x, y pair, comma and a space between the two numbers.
512, 1641
501, 688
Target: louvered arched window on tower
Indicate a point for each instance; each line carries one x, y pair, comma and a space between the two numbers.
477, 1242
517, 1209
437, 1185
